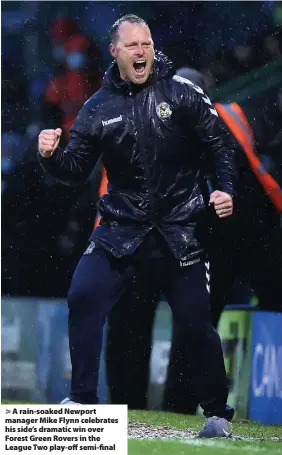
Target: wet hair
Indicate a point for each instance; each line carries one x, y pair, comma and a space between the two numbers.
113, 33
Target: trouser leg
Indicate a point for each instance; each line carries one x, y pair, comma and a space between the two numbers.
98, 282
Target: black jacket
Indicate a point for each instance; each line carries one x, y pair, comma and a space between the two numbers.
155, 140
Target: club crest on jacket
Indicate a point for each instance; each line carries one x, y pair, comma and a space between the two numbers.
164, 110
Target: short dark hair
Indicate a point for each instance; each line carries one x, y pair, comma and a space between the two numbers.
113, 33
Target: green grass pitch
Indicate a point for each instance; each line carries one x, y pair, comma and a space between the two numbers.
257, 439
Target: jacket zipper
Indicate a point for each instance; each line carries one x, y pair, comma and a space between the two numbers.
145, 162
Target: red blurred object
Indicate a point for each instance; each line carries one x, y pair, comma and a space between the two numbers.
62, 29
69, 90
77, 43
80, 43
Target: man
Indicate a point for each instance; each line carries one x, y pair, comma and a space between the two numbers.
153, 216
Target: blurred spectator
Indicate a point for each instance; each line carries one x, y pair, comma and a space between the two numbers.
81, 78
61, 31
223, 67
243, 55
257, 50
271, 46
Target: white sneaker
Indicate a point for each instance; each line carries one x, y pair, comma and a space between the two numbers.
216, 427
68, 401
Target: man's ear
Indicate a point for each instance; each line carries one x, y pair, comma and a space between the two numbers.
113, 50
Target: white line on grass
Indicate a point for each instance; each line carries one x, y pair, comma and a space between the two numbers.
222, 445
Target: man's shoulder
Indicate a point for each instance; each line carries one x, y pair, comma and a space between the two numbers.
181, 81
179, 89
97, 99
179, 85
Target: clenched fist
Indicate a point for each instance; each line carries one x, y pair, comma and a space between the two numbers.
48, 141
223, 203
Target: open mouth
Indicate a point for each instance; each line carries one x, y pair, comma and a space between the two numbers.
139, 66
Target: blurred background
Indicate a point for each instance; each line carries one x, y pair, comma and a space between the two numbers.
54, 55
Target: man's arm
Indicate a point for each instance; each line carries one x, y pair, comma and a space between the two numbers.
217, 141
74, 164
218, 145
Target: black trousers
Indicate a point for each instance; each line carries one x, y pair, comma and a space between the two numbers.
129, 343
99, 282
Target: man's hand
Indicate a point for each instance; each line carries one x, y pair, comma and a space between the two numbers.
223, 203
48, 141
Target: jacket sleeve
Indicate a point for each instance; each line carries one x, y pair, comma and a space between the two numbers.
73, 165
217, 142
